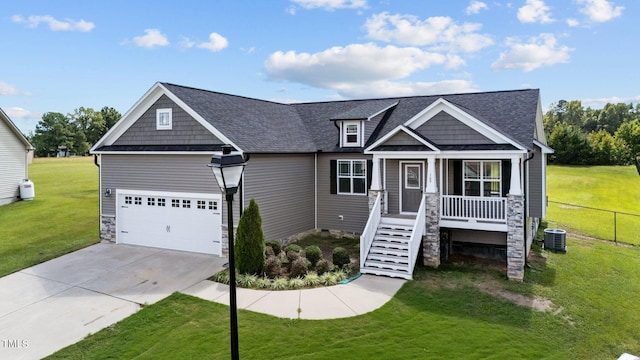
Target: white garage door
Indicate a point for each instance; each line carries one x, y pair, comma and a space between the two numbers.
177, 221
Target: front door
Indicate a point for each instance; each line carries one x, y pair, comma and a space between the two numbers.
411, 185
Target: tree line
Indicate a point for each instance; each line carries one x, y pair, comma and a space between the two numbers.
73, 133
607, 136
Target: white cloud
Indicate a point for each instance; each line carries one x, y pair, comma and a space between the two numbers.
441, 32
20, 113
216, 42
385, 88
600, 10
600, 102
186, 43
535, 11
54, 25
10, 89
475, 7
151, 39
542, 50
573, 22
329, 5
356, 63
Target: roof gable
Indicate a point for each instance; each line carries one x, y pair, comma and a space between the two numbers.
14, 130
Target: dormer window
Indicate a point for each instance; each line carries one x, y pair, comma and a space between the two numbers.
163, 119
351, 134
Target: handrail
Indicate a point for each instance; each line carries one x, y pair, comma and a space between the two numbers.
369, 232
474, 208
416, 234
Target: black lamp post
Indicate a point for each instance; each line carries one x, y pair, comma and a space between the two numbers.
227, 169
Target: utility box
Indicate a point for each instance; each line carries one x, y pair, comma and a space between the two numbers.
555, 239
27, 190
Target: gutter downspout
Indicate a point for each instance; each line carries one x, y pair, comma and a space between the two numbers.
526, 204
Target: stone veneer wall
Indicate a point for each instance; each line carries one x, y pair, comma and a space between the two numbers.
431, 241
108, 229
515, 237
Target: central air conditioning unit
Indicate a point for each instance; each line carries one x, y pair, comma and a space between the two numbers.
555, 239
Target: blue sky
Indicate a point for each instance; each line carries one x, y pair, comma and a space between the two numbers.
61, 55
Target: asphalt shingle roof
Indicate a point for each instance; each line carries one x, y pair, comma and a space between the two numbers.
269, 127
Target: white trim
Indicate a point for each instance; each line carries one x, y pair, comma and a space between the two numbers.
383, 110
156, 152
161, 111
208, 196
401, 182
366, 185
142, 105
382, 140
454, 224
359, 133
443, 105
545, 149
470, 155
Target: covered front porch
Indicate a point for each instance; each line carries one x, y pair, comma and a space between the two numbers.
474, 191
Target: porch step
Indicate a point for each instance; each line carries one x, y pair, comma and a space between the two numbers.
390, 259
386, 272
388, 251
390, 244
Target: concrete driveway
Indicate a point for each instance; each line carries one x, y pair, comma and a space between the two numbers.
57, 303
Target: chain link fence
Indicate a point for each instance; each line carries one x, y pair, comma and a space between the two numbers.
599, 223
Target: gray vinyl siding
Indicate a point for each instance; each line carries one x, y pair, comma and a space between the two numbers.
402, 138
167, 173
444, 129
283, 188
13, 164
536, 196
353, 208
393, 186
184, 129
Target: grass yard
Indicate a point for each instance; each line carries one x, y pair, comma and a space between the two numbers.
62, 217
594, 314
614, 188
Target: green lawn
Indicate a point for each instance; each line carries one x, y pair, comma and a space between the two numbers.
62, 217
441, 314
615, 188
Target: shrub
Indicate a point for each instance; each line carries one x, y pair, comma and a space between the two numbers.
329, 279
296, 283
268, 251
294, 247
298, 267
250, 244
313, 254
280, 284
246, 280
272, 267
293, 255
340, 257
323, 266
221, 277
275, 245
263, 283
312, 279
340, 275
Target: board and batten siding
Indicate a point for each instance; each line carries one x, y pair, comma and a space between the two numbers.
13, 164
185, 130
166, 173
353, 208
283, 187
536, 198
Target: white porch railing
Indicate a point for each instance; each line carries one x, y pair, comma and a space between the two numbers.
416, 234
473, 208
369, 232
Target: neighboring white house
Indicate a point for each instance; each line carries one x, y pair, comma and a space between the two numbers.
14, 157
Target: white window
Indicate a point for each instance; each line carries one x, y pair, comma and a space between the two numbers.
482, 178
351, 133
352, 176
163, 119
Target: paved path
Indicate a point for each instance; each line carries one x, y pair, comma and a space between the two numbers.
57, 303
360, 296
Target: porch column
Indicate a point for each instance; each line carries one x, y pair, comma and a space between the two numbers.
375, 187
432, 184
431, 238
515, 237
514, 186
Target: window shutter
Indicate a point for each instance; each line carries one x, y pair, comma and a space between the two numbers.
333, 166
369, 173
457, 177
506, 176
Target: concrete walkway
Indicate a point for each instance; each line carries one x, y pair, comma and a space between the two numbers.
365, 294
